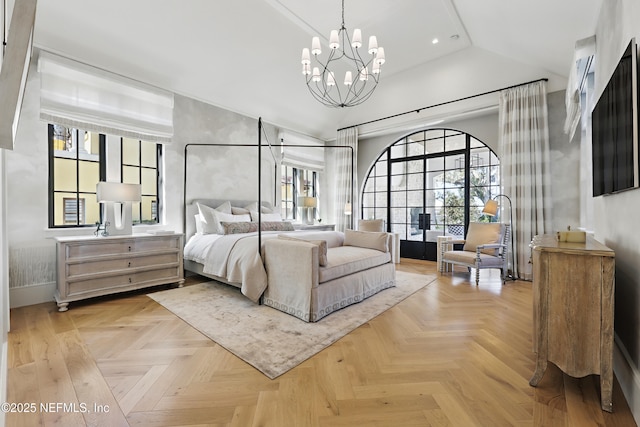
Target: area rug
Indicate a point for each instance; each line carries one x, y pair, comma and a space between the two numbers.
270, 340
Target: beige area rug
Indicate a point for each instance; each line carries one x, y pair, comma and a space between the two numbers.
270, 340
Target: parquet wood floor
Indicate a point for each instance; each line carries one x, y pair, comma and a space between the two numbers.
452, 354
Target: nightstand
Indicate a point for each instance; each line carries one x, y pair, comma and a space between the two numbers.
315, 227
89, 266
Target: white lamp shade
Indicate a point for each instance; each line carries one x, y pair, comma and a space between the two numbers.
316, 74
316, 49
490, 208
347, 208
380, 59
334, 42
373, 45
364, 74
348, 78
307, 202
306, 58
356, 40
117, 192
331, 80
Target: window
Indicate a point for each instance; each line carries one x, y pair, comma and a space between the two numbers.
296, 183
78, 161
74, 170
139, 165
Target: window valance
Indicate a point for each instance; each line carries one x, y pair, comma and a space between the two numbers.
310, 157
81, 96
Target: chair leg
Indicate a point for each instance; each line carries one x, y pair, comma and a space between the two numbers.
477, 276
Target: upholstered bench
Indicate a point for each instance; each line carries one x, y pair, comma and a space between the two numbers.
309, 280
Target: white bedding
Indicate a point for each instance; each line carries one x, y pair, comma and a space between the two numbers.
235, 258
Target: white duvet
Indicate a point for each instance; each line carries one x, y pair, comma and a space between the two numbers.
235, 257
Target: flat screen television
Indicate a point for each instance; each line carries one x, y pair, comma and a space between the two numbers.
614, 124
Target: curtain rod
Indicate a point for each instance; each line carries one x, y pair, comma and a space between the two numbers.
417, 110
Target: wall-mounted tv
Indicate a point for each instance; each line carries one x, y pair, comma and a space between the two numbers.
614, 124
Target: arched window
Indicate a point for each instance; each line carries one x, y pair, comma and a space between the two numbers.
430, 183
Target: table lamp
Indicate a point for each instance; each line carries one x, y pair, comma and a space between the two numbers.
116, 201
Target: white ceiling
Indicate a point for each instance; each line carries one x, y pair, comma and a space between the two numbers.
244, 55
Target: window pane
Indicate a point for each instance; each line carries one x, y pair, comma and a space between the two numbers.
149, 211
149, 154
89, 176
92, 208
64, 175
149, 181
130, 151
130, 175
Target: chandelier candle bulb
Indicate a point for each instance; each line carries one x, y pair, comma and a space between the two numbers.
306, 58
331, 81
316, 74
348, 78
373, 45
315, 46
364, 74
357, 38
306, 69
380, 56
376, 67
333, 40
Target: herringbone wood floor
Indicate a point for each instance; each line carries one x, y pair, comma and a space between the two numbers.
453, 354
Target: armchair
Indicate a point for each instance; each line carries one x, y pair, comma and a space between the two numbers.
485, 246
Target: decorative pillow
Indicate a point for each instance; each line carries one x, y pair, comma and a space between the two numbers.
254, 207
366, 239
371, 225
266, 216
239, 211
238, 227
482, 233
276, 226
252, 227
211, 218
321, 244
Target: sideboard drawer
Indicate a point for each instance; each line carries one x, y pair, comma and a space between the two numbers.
98, 286
115, 247
120, 264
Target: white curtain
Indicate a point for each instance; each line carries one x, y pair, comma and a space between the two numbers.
78, 95
524, 140
346, 193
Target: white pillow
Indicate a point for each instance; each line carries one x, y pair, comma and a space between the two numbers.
254, 207
211, 218
366, 239
199, 225
266, 216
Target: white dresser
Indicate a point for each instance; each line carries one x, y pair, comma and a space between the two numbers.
89, 266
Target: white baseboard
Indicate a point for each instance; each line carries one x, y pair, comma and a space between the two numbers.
628, 377
29, 295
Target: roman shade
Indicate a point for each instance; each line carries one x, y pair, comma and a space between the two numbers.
311, 156
81, 96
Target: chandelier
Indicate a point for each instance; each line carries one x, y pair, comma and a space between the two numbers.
360, 76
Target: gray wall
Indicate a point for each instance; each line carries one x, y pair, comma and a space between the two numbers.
565, 156
216, 173
616, 222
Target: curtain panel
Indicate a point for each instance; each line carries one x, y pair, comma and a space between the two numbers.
346, 192
524, 141
81, 96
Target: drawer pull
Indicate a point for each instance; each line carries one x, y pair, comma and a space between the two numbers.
129, 279
129, 248
129, 265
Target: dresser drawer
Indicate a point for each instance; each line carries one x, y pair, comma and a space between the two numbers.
120, 264
114, 247
97, 286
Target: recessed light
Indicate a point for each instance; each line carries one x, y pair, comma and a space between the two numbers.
434, 41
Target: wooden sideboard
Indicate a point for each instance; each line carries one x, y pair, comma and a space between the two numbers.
91, 266
573, 298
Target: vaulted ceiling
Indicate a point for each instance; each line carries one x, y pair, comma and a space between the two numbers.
244, 55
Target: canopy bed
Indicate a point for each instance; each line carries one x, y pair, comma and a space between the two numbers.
309, 274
